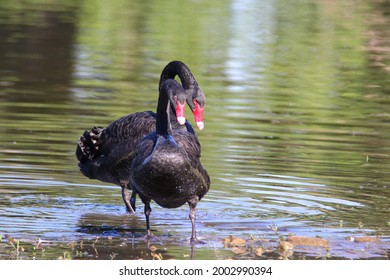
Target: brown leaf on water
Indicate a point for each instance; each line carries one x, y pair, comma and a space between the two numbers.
237, 242
362, 239
259, 252
226, 241
285, 249
232, 241
308, 241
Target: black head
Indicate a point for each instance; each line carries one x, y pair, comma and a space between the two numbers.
195, 97
177, 98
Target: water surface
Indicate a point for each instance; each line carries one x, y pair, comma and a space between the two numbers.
297, 129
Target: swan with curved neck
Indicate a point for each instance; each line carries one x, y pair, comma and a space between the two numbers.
106, 154
194, 95
167, 167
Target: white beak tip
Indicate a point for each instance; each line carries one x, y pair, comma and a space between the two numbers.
181, 120
200, 125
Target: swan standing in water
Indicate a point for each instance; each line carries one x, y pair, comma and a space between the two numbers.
167, 167
107, 154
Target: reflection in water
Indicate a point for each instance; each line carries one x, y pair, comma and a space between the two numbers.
296, 137
250, 25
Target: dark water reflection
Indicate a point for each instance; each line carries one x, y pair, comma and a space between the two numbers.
297, 122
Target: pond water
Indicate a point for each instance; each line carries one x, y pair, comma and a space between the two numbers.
296, 138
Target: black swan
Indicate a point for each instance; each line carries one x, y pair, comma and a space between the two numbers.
167, 167
106, 154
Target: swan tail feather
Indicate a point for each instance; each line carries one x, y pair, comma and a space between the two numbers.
88, 144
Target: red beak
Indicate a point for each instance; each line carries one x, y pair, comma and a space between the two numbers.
198, 114
180, 112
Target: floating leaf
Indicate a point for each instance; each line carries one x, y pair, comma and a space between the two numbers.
308, 241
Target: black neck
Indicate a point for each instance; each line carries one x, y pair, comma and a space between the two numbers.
164, 110
180, 69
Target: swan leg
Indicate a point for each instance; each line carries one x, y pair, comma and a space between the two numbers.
147, 211
132, 199
127, 200
192, 203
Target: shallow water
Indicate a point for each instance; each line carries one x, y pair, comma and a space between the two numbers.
297, 129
